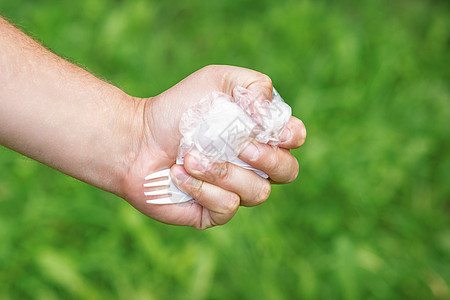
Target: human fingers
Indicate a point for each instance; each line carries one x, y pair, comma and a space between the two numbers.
251, 188
279, 163
221, 204
294, 135
230, 77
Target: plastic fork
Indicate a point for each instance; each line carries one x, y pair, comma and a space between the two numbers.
168, 192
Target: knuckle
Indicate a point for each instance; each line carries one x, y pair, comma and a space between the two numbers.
196, 188
208, 71
208, 68
295, 172
215, 70
200, 227
301, 137
231, 203
262, 78
266, 82
266, 79
203, 221
300, 141
264, 192
222, 170
272, 162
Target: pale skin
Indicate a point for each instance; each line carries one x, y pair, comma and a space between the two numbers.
63, 116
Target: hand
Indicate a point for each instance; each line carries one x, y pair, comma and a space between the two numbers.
219, 188
59, 114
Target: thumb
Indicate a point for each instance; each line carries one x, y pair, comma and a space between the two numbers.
259, 84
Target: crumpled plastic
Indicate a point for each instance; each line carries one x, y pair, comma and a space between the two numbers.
220, 126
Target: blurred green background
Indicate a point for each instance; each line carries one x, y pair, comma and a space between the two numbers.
368, 218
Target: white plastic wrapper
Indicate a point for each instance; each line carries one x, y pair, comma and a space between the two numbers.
220, 126
270, 116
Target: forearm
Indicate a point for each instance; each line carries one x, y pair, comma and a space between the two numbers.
61, 115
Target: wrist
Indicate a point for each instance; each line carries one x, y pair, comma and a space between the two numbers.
143, 153
126, 128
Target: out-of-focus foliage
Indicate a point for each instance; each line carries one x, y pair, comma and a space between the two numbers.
368, 217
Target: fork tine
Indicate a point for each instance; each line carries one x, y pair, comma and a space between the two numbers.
165, 200
162, 173
170, 194
158, 183
169, 200
156, 193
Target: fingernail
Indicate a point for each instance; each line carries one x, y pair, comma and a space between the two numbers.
286, 135
251, 152
180, 175
198, 162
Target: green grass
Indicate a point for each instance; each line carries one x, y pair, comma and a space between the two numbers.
367, 219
